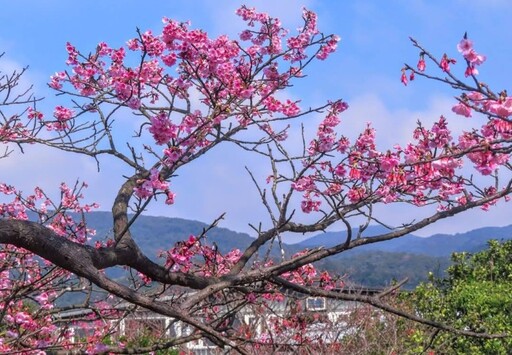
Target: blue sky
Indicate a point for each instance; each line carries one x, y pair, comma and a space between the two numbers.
365, 72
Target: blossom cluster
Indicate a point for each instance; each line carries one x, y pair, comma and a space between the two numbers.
194, 255
238, 84
54, 215
427, 169
148, 187
233, 78
465, 47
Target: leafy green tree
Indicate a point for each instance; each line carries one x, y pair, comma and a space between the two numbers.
476, 295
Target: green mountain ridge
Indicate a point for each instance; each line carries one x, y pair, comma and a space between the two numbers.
435, 245
372, 265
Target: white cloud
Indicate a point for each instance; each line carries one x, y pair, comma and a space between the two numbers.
47, 168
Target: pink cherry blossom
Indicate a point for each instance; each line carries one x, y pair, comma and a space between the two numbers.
462, 109
445, 63
162, 128
474, 58
403, 78
421, 64
465, 45
62, 113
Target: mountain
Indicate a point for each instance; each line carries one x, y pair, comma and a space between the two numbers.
154, 234
371, 265
379, 268
329, 239
436, 245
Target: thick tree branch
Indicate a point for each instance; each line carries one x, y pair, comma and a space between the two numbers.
82, 259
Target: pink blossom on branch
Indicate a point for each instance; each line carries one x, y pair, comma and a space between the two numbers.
462, 109
465, 47
502, 107
328, 48
421, 64
62, 114
162, 128
403, 78
445, 63
148, 187
238, 86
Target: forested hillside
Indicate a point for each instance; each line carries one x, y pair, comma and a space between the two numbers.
373, 265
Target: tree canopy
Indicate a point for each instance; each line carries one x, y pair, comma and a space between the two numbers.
475, 295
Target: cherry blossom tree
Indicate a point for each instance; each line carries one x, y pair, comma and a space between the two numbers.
189, 93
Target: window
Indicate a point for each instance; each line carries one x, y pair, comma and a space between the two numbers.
315, 304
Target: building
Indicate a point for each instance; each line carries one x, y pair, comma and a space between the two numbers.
287, 323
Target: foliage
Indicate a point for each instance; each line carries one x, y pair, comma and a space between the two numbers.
476, 295
188, 93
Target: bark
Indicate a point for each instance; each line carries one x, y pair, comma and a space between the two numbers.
83, 260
